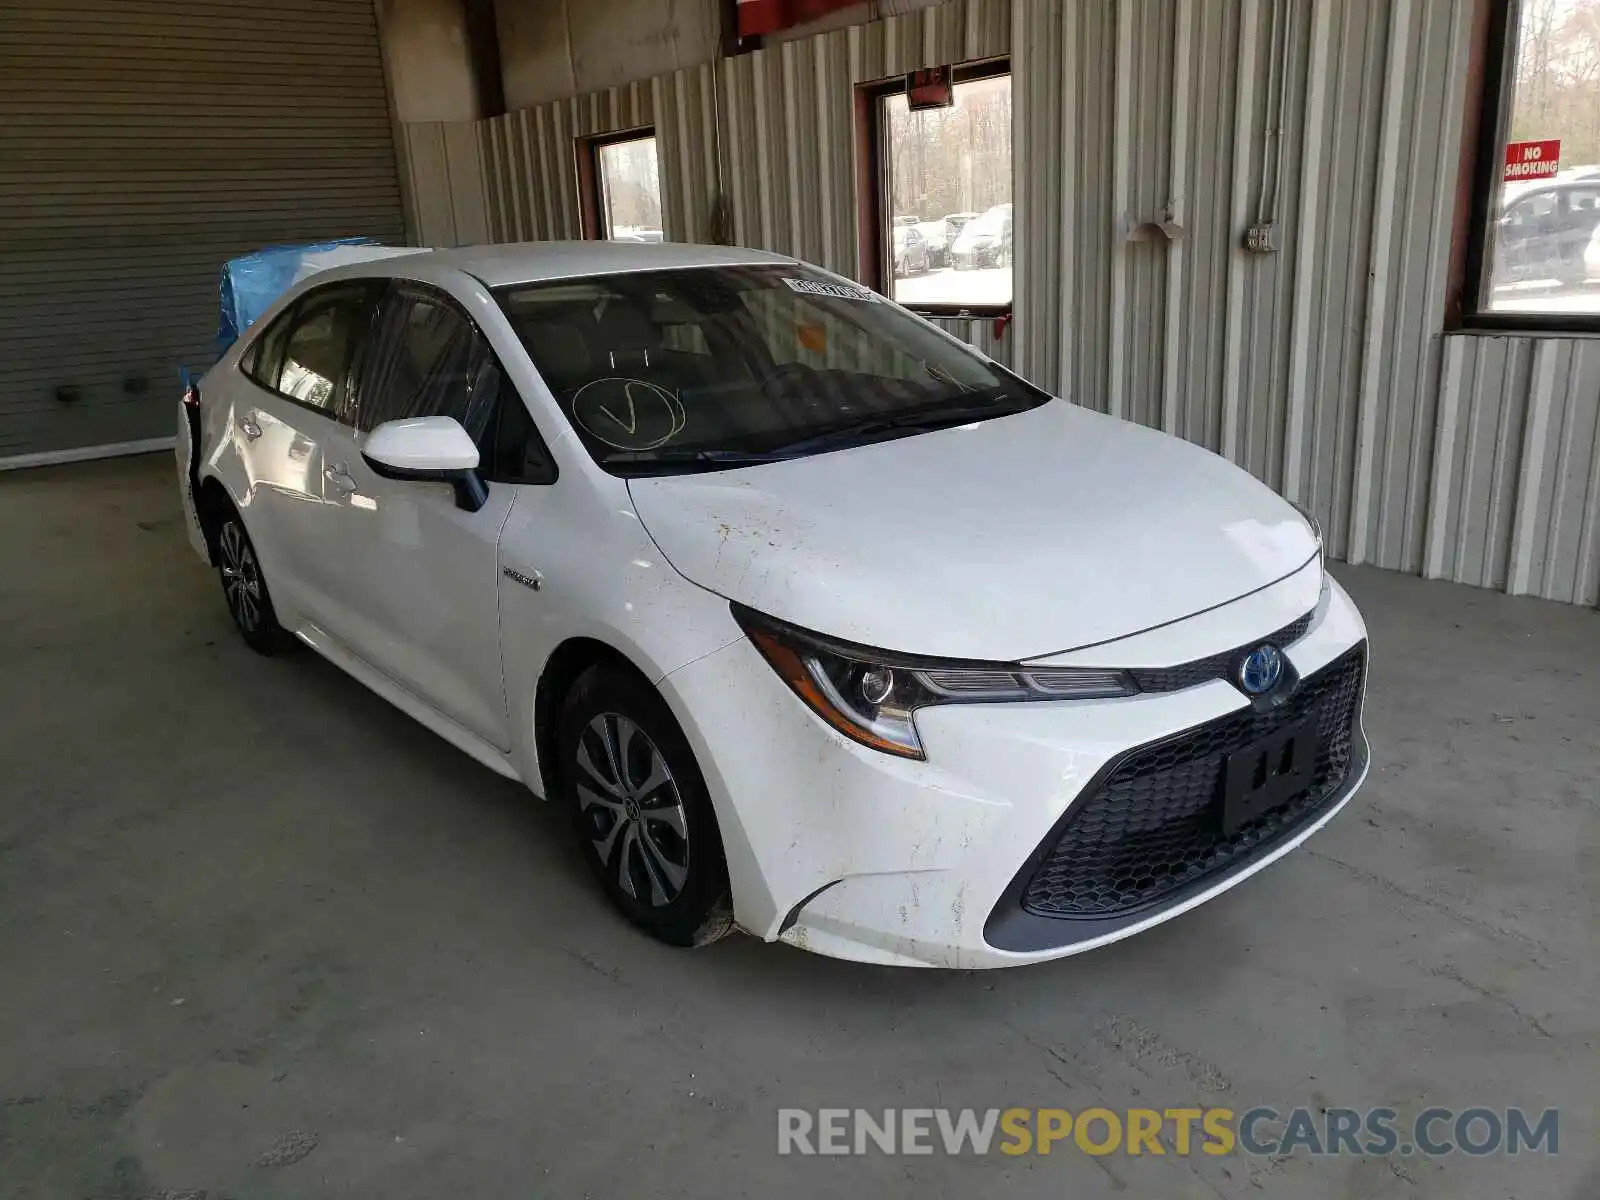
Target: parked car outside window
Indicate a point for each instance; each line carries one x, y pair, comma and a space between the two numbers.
985, 241
910, 248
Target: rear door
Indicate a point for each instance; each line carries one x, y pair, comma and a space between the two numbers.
422, 572
298, 390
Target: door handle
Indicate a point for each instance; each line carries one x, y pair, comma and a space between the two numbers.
249, 427
339, 476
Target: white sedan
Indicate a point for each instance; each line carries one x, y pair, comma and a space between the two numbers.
820, 623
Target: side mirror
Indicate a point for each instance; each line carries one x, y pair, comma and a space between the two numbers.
429, 450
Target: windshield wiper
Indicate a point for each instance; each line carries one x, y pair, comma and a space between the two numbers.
865, 428
684, 456
916, 421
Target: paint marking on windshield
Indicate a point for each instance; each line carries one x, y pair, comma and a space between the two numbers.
639, 415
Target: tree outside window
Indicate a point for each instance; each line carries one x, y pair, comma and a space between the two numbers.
629, 180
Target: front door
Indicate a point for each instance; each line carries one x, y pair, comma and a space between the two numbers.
422, 572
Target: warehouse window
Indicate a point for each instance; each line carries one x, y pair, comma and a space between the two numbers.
1534, 253
620, 181
940, 230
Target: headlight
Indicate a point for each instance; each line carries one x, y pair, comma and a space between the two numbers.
871, 695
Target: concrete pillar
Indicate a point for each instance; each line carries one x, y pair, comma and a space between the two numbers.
427, 52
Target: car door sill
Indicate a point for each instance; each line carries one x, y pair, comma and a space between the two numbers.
407, 702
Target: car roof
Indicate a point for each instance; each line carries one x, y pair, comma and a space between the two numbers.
532, 262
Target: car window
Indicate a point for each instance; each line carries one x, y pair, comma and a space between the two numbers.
1584, 202
993, 221
265, 355
513, 451
427, 359
691, 368
319, 349
1531, 211
823, 340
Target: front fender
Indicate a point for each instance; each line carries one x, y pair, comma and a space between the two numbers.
575, 562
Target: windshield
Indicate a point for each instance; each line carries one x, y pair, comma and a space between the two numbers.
706, 368
991, 222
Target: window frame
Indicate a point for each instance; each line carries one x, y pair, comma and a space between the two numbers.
396, 287
1491, 79
876, 242
591, 195
249, 363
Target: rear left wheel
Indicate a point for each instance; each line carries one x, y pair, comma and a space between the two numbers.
245, 588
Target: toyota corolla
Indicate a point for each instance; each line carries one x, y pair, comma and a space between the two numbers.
819, 623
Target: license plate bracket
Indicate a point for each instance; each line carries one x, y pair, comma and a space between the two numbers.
1267, 774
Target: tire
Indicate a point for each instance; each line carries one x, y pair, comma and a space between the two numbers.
244, 588
647, 831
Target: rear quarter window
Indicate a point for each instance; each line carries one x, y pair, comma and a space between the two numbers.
263, 359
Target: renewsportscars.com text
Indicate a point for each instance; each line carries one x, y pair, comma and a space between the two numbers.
1372, 1132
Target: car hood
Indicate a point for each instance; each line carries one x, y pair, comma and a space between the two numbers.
1012, 538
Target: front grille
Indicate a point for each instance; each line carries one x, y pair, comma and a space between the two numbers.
1153, 824
1214, 666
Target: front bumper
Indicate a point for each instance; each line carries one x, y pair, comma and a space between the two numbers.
972, 259
849, 852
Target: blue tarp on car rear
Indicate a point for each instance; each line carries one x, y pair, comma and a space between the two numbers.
251, 282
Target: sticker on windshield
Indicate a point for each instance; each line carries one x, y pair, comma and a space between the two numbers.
628, 414
839, 291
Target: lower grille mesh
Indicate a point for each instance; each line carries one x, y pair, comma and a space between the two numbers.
1153, 825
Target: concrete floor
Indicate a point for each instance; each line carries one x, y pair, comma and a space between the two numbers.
262, 936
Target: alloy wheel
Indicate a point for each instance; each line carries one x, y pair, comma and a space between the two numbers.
241, 577
632, 810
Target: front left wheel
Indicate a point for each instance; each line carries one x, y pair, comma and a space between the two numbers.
644, 819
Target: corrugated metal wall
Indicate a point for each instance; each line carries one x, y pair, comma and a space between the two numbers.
1514, 495
1321, 367
1314, 366
142, 143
